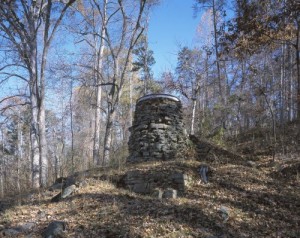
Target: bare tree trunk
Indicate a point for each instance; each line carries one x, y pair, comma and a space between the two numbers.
99, 62
22, 26
130, 101
290, 92
19, 155
297, 45
35, 153
2, 168
282, 102
34, 130
273, 126
43, 146
1, 181
96, 145
193, 116
107, 137
217, 50
72, 129
127, 41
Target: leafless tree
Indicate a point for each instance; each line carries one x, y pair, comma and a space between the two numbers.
28, 28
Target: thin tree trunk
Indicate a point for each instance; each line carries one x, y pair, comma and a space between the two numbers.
96, 146
107, 137
42, 124
217, 50
1, 181
273, 126
290, 92
2, 168
35, 153
43, 146
19, 155
221, 96
282, 85
41, 115
34, 130
72, 129
118, 79
298, 72
193, 116
130, 101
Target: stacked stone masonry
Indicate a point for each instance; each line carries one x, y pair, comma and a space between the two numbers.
168, 183
157, 132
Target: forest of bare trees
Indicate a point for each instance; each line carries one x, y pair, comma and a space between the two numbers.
71, 71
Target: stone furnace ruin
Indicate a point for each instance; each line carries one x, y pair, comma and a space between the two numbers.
157, 132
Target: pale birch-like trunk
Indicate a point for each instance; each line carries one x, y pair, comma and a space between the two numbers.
19, 154
99, 62
34, 129
35, 152
72, 128
193, 116
130, 101
96, 145
43, 146
108, 136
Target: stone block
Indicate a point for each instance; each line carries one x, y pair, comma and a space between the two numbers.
158, 126
178, 177
158, 193
143, 188
170, 193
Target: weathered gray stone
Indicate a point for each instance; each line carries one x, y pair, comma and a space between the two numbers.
83, 184
27, 226
65, 193
143, 188
145, 182
158, 193
251, 163
18, 230
224, 211
70, 181
179, 177
10, 232
203, 170
170, 193
55, 229
158, 125
157, 132
56, 186
68, 191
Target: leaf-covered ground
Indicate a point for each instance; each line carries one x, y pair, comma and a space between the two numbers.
242, 199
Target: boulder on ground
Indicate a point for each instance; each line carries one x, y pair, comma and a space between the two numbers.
66, 192
55, 229
170, 193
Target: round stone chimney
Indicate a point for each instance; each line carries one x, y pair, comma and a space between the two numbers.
157, 132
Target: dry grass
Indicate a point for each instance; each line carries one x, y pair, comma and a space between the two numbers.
261, 201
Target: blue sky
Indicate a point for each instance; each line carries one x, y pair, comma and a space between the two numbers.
171, 24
